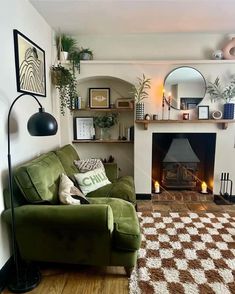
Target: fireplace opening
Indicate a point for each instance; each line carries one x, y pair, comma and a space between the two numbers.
182, 161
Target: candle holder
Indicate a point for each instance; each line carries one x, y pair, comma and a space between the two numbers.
163, 104
169, 106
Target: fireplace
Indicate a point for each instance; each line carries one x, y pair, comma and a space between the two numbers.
183, 160
180, 165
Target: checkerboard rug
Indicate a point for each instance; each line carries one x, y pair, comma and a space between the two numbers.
191, 253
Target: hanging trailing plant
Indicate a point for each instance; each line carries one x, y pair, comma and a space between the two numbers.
65, 81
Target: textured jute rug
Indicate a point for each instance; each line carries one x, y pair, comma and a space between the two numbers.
192, 253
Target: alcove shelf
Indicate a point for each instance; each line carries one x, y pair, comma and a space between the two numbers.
223, 122
103, 141
103, 109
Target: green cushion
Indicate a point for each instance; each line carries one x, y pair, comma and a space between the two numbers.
122, 188
126, 234
39, 179
67, 154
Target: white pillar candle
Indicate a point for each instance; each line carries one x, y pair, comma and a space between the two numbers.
157, 187
204, 187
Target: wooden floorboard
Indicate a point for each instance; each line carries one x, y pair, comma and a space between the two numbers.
66, 279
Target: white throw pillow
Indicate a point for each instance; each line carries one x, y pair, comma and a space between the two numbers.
66, 189
92, 180
85, 165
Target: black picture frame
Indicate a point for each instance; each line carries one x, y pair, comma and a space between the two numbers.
84, 128
30, 65
203, 112
99, 98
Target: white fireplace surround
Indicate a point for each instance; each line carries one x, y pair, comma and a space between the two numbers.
157, 70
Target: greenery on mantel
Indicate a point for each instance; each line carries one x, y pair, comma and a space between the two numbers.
217, 92
140, 90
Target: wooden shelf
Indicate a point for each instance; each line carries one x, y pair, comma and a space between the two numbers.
178, 61
104, 109
102, 141
224, 122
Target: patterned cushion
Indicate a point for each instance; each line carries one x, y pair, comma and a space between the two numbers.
92, 180
85, 165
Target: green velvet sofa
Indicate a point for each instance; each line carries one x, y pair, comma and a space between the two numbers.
104, 232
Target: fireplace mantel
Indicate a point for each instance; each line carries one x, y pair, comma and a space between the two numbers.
223, 122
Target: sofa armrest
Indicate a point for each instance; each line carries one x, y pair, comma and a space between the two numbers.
91, 217
111, 171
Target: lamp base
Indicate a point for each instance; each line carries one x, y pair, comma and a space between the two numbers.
29, 278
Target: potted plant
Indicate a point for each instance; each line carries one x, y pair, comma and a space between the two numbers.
85, 54
65, 44
66, 83
227, 94
105, 122
140, 93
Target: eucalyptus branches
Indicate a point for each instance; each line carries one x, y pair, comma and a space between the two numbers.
140, 90
217, 92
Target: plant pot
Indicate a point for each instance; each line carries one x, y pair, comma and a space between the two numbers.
85, 56
64, 55
139, 111
228, 111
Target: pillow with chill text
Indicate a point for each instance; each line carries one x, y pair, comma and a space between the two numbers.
92, 180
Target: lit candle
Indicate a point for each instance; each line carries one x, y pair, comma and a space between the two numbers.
204, 187
157, 187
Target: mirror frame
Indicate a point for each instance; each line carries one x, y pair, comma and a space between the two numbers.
183, 66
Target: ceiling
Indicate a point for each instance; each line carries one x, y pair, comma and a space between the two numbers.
138, 16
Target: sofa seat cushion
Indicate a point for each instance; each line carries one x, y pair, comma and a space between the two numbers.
122, 188
126, 234
39, 179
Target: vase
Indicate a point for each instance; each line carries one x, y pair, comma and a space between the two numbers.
105, 134
139, 111
228, 50
228, 111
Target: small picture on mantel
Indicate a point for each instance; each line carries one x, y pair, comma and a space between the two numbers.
99, 97
203, 112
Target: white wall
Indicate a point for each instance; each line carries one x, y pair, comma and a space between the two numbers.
20, 15
163, 47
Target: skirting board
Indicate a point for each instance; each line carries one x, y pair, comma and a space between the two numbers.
143, 196
4, 273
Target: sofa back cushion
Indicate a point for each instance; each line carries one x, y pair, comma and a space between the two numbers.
67, 154
39, 179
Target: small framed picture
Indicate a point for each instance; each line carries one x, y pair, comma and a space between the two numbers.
203, 112
84, 128
99, 97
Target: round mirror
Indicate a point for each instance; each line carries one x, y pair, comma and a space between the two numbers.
186, 88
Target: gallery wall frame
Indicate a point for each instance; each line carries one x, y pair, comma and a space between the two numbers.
99, 98
30, 65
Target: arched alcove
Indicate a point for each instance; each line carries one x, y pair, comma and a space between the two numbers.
122, 153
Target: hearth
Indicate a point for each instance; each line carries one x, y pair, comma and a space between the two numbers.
182, 161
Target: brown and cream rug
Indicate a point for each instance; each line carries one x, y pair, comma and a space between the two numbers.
191, 253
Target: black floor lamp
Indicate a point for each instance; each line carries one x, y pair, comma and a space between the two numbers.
40, 123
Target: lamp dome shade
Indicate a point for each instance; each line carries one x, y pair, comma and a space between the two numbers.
42, 124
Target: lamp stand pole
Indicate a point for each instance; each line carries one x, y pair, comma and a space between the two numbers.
25, 276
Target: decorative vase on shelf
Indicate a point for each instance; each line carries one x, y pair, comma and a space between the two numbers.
228, 111
228, 50
105, 134
139, 111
